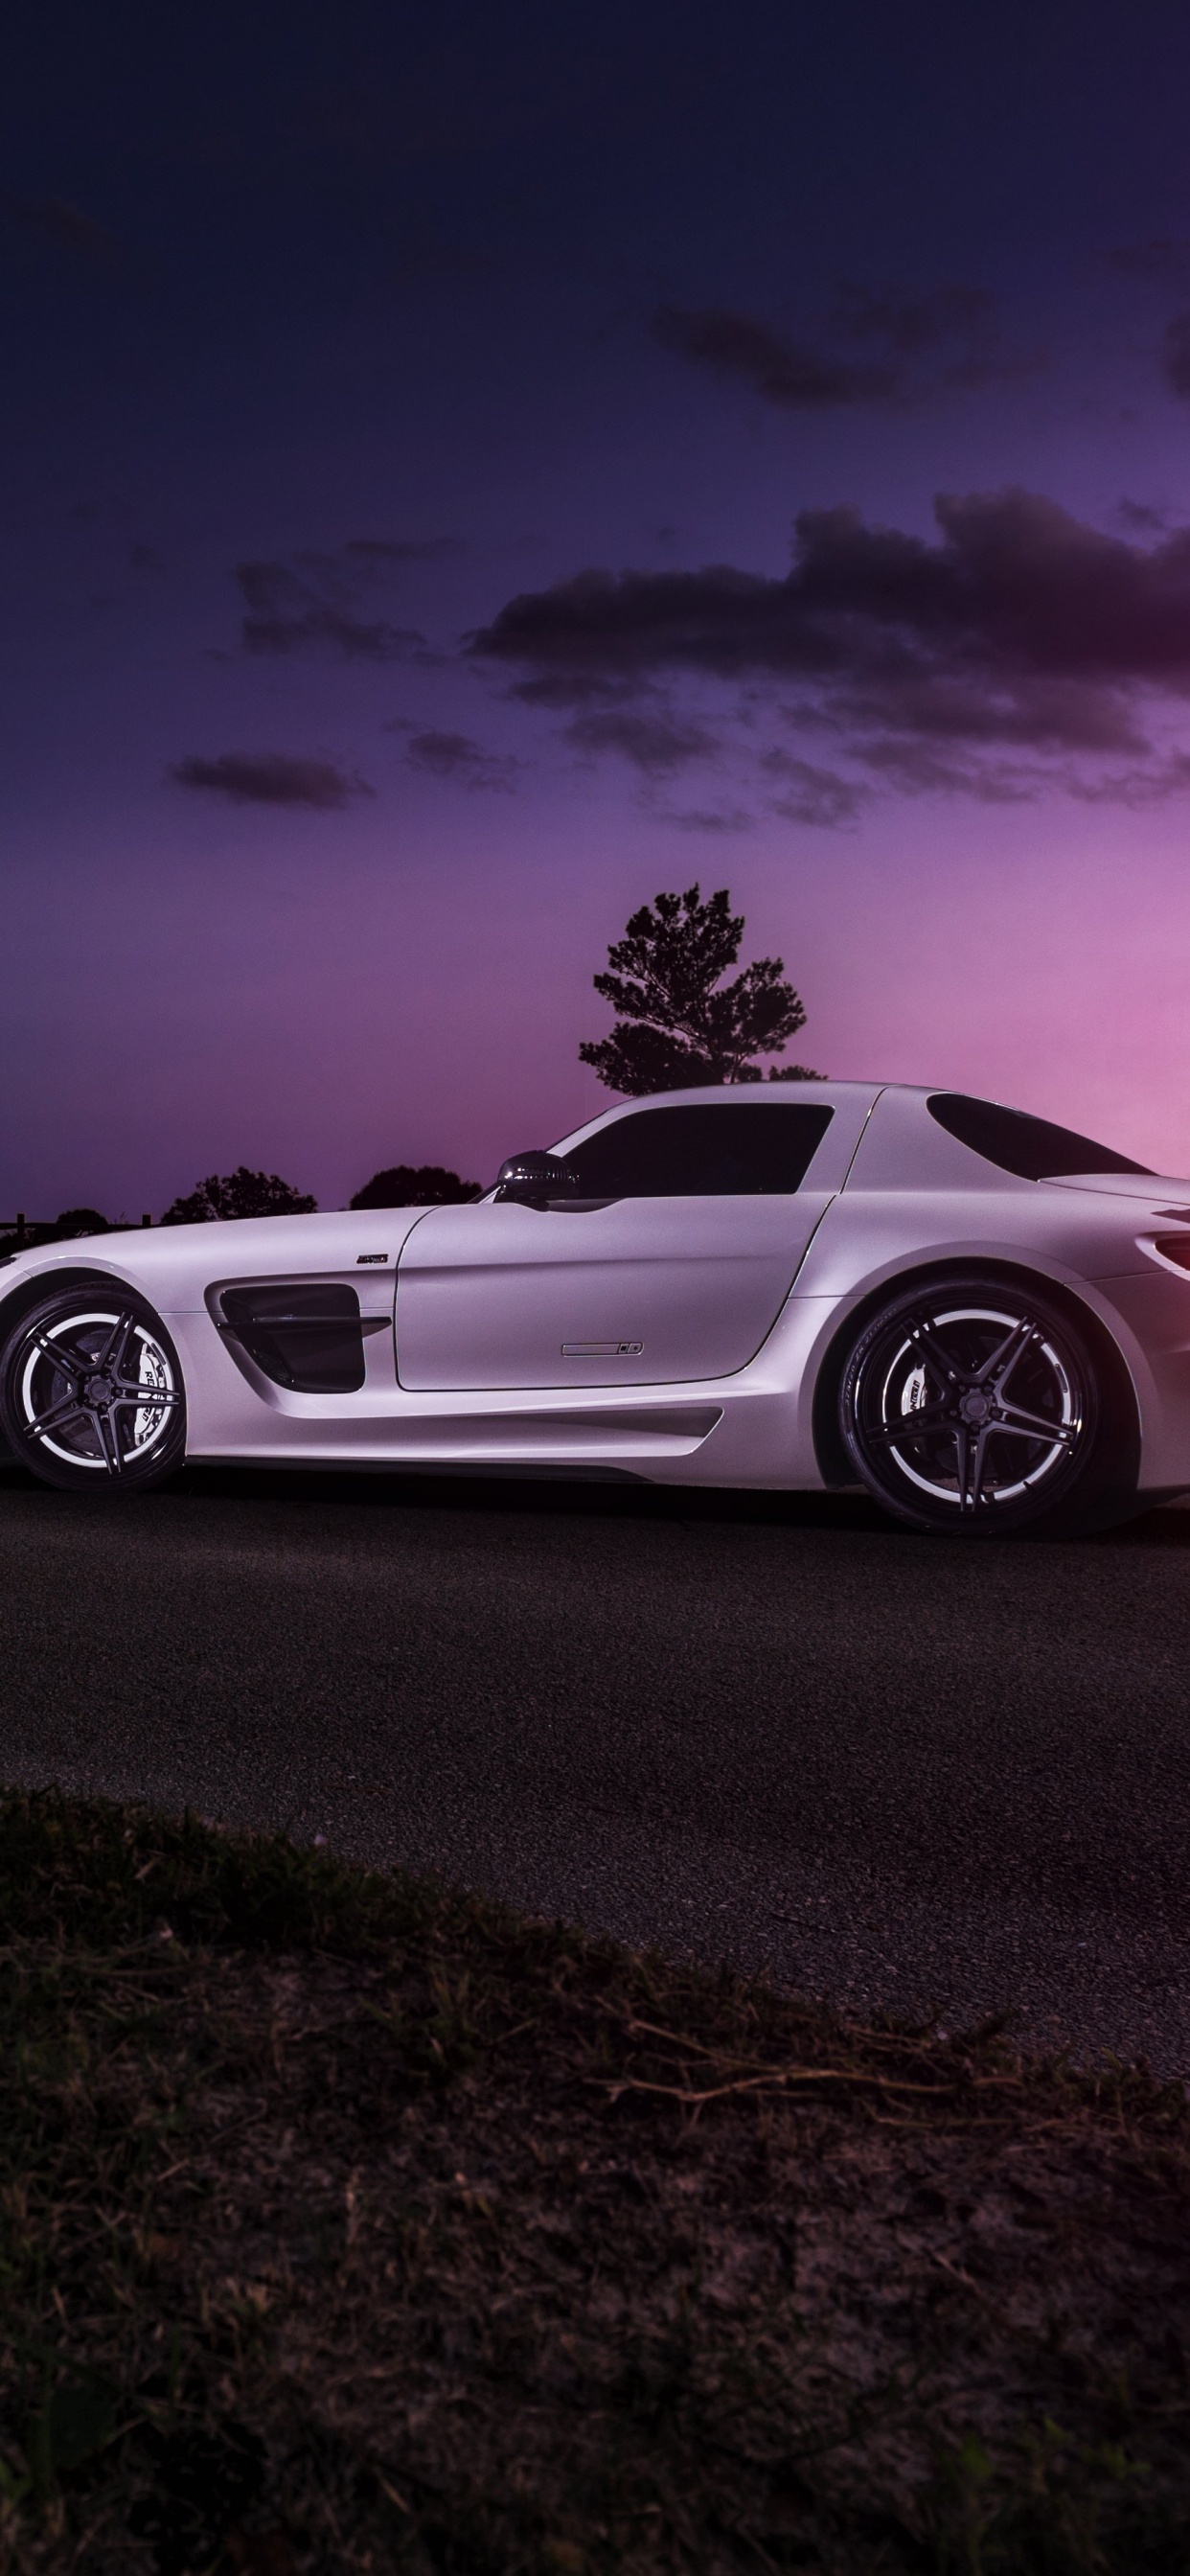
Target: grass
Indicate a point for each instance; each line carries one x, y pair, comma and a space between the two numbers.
352, 2223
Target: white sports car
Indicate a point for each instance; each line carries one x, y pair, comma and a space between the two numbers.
982, 1318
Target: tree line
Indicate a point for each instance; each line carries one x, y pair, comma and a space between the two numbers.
681, 1020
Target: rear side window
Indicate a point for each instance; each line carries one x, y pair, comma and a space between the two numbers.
716, 1150
1032, 1148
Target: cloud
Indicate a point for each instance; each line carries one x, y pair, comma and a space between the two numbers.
389, 552
1161, 261
561, 689
920, 769
1175, 355
286, 613
454, 755
54, 219
912, 324
697, 819
811, 795
1019, 633
271, 778
1146, 518
735, 344
1138, 787
946, 339
655, 744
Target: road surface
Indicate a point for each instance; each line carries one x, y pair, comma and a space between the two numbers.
776, 1730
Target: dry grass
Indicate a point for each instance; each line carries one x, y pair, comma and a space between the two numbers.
351, 2223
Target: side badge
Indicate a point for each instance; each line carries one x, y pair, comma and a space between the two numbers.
363, 1258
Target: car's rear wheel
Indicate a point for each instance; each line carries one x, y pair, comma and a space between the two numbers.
975, 1408
91, 1393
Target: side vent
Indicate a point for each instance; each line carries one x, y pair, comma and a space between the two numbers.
309, 1338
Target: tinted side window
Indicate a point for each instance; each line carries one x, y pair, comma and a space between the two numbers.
716, 1151
1032, 1148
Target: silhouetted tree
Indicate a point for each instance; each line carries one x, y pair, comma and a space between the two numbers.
678, 1023
77, 1221
72, 1223
238, 1193
415, 1185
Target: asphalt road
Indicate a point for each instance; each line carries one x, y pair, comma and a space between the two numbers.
776, 1730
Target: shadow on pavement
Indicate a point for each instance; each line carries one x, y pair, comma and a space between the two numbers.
610, 1497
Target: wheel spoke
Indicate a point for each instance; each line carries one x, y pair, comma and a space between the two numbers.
112, 1355
1036, 1426
915, 1425
59, 1414
1002, 1362
64, 1359
151, 1397
962, 1442
981, 1451
972, 1451
109, 1441
933, 1353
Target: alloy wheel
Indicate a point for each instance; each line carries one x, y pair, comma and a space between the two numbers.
93, 1394
969, 1412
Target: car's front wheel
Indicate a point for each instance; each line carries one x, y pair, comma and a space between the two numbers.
973, 1408
91, 1393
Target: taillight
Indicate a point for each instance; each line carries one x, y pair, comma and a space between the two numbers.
1175, 1247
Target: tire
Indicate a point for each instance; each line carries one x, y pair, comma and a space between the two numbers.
74, 1376
1013, 1418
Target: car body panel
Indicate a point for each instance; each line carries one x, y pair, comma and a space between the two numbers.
640, 1292
739, 1303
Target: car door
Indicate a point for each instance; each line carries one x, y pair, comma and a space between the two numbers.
672, 1263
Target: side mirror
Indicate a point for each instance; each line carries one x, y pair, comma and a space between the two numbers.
532, 1180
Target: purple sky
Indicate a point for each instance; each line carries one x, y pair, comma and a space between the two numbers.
338, 351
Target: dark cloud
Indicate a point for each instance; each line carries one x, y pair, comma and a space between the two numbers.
946, 339
560, 689
388, 553
1019, 631
288, 613
145, 559
1150, 785
1146, 518
271, 778
697, 819
454, 755
921, 769
656, 744
811, 795
1162, 261
735, 344
53, 219
1175, 355
911, 325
